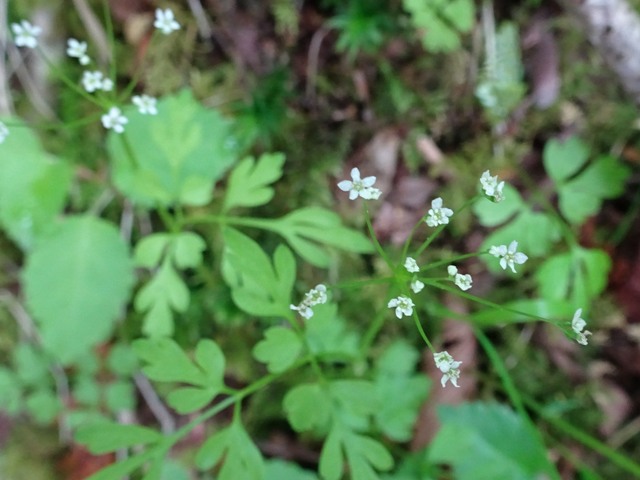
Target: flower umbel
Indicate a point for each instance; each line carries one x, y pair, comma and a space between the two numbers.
578, 324
312, 298
146, 104
411, 265
92, 81
360, 187
77, 49
26, 34
492, 189
114, 120
449, 367
4, 132
437, 214
509, 257
165, 21
402, 304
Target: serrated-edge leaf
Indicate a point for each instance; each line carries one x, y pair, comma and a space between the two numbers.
167, 362
187, 250
248, 182
150, 249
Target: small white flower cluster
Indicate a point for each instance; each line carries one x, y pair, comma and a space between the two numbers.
462, 281
146, 104
315, 296
492, 189
403, 305
25, 34
437, 214
165, 21
578, 324
4, 132
448, 366
360, 187
94, 81
114, 119
508, 256
78, 49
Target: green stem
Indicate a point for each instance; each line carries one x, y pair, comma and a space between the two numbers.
361, 283
451, 260
370, 335
422, 332
372, 234
585, 439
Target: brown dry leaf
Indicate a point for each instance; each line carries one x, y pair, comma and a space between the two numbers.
78, 463
457, 339
561, 351
613, 401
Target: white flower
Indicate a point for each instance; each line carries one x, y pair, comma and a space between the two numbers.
360, 187
26, 34
411, 265
463, 281
578, 324
165, 21
114, 120
491, 187
92, 81
452, 270
146, 104
313, 297
402, 304
447, 365
4, 132
510, 256
417, 286
77, 49
437, 214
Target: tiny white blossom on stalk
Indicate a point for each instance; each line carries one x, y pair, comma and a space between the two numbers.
26, 34
313, 297
165, 21
578, 324
462, 281
146, 104
452, 270
437, 214
360, 187
402, 304
4, 132
417, 286
114, 120
92, 81
492, 188
448, 366
411, 265
77, 49
509, 257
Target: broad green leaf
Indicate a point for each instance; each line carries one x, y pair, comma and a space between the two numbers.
33, 187
279, 349
241, 458
492, 214
120, 396
189, 399
86, 391
331, 458
187, 250
32, 366
328, 337
76, 281
578, 275
173, 157
167, 362
564, 159
442, 21
305, 398
248, 184
109, 437
151, 249
10, 392
210, 359
122, 360
481, 440
348, 395
280, 470
256, 286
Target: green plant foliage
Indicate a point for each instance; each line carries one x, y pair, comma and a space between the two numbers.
167, 362
397, 414
328, 336
43, 405
501, 88
306, 227
305, 398
281, 470
442, 21
521, 311
241, 458
33, 187
578, 276
76, 281
484, 440
581, 195
536, 231
279, 349
166, 291
173, 157
108, 437
248, 184
257, 286
10, 391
